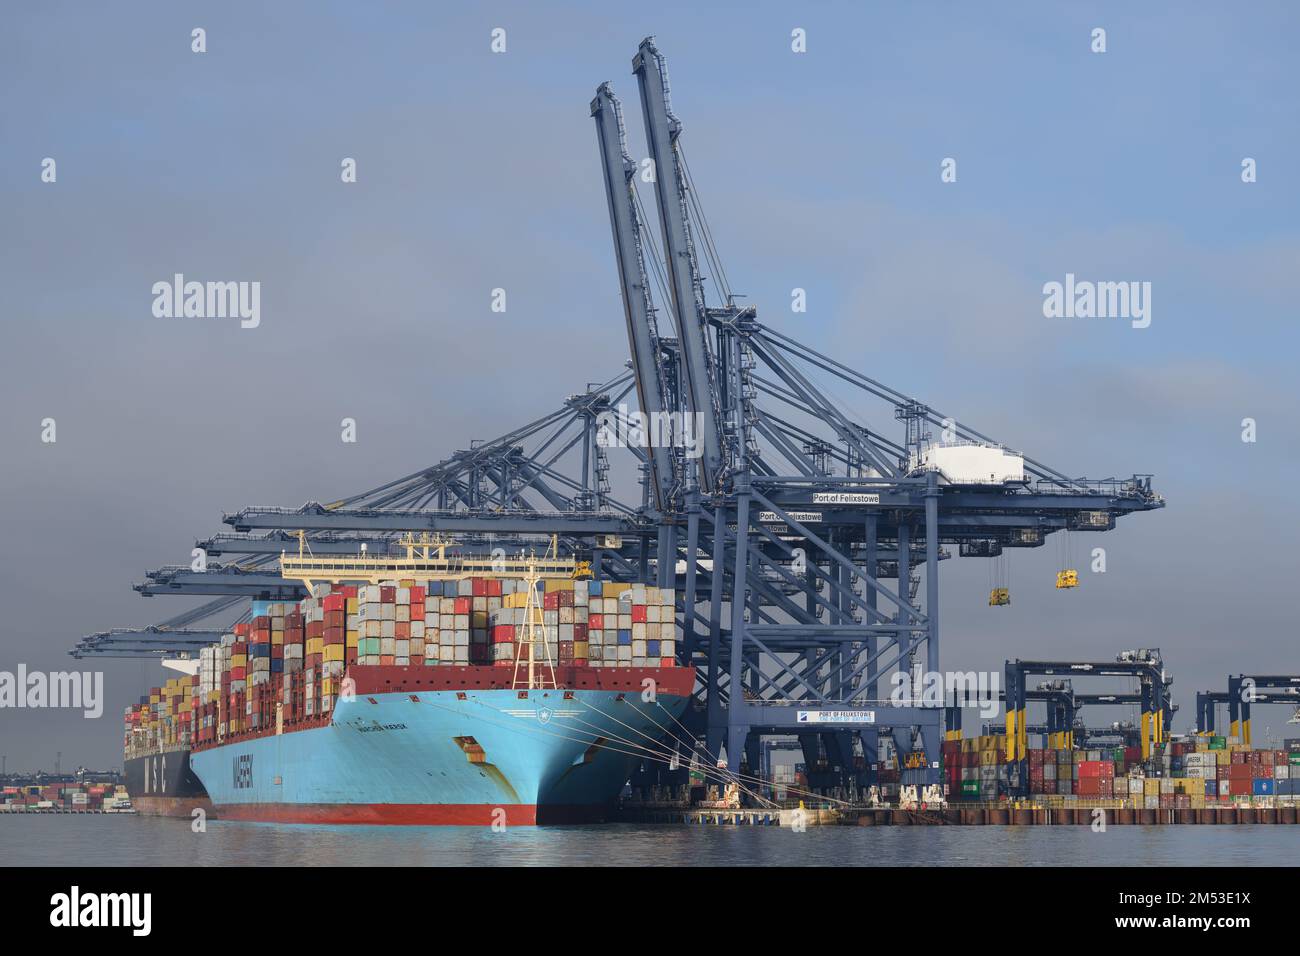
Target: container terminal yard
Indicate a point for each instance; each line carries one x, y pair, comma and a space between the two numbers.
623, 614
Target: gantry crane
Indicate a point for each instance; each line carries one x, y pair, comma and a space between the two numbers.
804, 543
1244, 690
1154, 698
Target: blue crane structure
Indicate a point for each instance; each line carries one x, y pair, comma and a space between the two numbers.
1153, 696
1244, 690
804, 542
1064, 727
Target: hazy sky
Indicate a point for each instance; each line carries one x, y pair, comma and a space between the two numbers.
479, 170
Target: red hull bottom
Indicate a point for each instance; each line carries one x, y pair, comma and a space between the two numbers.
172, 806
413, 814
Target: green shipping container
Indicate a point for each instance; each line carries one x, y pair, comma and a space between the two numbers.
1218, 743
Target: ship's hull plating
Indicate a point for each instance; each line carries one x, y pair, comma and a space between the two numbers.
445, 757
164, 784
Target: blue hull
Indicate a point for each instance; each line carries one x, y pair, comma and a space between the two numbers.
431, 758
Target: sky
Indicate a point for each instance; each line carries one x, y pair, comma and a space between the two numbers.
478, 170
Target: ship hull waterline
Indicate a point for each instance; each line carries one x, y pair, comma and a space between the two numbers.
458, 758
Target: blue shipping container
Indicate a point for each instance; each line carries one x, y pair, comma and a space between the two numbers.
1263, 788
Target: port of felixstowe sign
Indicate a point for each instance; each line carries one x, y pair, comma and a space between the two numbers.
837, 717
821, 498
845, 498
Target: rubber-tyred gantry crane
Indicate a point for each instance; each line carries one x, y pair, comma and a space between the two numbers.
1244, 690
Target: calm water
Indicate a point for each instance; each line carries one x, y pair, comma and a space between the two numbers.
136, 841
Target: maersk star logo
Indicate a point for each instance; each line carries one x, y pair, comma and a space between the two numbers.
544, 714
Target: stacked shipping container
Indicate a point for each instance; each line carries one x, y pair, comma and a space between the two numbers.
1207, 771
64, 796
288, 661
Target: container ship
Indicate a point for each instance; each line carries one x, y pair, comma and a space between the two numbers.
162, 783
156, 752
475, 699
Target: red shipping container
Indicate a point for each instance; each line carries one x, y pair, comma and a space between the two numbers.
480, 587
566, 598
387, 594
503, 634
334, 602
638, 614
462, 605
551, 601
596, 622
493, 588
417, 594
402, 630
